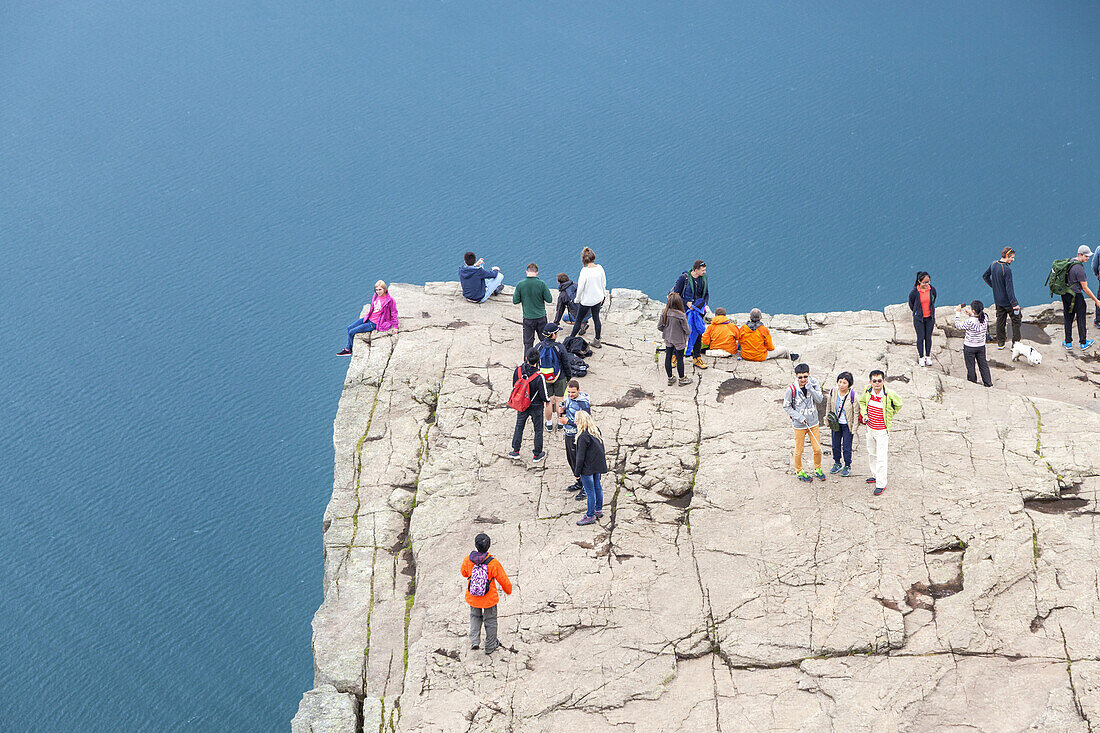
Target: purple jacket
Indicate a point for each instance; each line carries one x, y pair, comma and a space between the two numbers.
383, 312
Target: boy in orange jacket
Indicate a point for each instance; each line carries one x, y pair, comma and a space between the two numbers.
484, 571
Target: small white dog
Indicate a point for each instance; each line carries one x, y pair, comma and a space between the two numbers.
1034, 358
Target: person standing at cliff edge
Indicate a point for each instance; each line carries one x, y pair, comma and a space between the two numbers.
484, 572
999, 277
591, 294
692, 289
382, 316
800, 402
533, 294
479, 284
877, 407
922, 301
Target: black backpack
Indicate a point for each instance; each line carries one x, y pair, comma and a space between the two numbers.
578, 367
577, 345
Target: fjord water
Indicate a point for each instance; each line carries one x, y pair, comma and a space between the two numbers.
198, 197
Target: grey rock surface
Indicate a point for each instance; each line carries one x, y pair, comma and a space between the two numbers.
718, 592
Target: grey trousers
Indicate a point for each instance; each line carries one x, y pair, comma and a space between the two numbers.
488, 616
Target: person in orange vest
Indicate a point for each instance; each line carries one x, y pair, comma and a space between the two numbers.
484, 572
722, 334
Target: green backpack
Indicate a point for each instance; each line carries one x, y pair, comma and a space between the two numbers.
1058, 279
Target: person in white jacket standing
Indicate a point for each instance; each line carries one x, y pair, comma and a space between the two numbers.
591, 294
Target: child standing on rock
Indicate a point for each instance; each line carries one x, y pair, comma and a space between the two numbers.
484, 572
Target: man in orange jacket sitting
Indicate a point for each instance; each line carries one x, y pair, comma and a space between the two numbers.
756, 339
484, 571
722, 334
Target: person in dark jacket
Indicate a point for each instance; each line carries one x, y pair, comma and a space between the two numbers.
478, 284
922, 301
674, 327
539, 397
999, 277
575, 401
567, 301
591, 465
556, 376
1096, 272
693, 291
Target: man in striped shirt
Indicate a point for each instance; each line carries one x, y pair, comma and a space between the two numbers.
877, 407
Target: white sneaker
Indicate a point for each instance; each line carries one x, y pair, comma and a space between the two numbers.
928, 361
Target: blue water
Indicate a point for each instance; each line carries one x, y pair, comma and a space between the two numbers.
196, 197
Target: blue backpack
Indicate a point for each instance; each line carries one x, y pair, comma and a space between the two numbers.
549, 361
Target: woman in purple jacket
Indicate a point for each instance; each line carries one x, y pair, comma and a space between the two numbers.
382, 316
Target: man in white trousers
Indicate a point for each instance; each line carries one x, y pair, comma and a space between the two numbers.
877, 407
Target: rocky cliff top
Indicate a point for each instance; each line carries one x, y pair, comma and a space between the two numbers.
718, 592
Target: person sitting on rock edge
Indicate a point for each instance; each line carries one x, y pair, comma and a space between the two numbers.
484, 572
479, 284
554, 365
673, 326
877, 407
722, 334
539, 396
756, 339
382, 316
591, 465
534, 295
575, 401
800, 402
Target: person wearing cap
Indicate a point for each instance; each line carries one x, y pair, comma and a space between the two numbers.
999, 277
1073, 303
756, 339
483, 606
554, 365
692, 289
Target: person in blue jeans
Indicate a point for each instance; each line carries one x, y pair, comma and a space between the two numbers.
842, 405
591, 465
478, 284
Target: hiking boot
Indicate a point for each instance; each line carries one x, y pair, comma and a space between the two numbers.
685, 380
581, 496
344, 352
870, 480
803, 476
513, 454
539, 456
836, 468
846, 471
596, 344
599, 515
671, 381
699, 363
1068, 345
574, 487
1086, 344
878, 490
586, 519
475, 647
548, 425
1000, 346
820, 474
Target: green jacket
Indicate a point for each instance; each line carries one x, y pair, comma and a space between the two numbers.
892, 403
534, 294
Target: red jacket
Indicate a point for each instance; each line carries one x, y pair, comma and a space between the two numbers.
496, 573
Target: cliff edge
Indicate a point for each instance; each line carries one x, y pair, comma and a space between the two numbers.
718, 592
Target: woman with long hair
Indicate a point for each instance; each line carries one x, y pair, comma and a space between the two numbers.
922, 301
591, 464
674, 327
382, 316
591, 294
976, 327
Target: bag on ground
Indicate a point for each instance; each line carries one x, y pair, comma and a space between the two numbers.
578, 367
577, 345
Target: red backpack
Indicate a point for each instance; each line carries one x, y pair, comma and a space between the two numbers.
520, 399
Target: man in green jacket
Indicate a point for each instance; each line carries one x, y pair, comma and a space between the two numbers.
534, 295
877, 407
